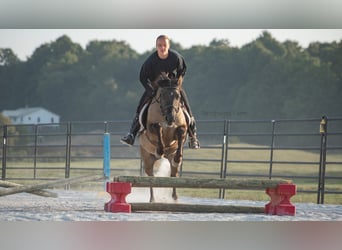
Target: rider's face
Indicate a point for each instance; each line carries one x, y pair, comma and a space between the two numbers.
163, 46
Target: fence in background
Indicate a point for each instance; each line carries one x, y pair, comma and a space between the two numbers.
240, 148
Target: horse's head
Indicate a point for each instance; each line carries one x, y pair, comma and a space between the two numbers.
170, 98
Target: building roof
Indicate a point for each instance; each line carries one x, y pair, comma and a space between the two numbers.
24, 111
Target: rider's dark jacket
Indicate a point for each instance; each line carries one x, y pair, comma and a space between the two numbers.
174, 65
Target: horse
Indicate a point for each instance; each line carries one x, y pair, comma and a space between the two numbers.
166, 129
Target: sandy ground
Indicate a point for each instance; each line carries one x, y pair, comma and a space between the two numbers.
74, 205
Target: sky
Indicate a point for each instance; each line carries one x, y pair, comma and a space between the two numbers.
23, 42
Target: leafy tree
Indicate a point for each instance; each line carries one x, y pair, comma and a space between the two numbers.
264, 79
7, 57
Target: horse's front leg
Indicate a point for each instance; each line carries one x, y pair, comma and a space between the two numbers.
157, 129
180, 134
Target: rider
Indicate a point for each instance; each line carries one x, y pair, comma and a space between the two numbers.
172, 63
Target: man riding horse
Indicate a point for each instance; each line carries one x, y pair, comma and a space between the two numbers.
171, 63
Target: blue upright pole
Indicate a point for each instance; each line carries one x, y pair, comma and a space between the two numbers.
106, 155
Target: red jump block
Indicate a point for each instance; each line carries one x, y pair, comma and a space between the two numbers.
118, 192
280, 200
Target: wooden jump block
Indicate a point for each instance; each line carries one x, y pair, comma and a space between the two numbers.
280, 192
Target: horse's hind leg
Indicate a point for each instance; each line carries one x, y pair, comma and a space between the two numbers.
149, 172
174, 194
148, 161
151, 195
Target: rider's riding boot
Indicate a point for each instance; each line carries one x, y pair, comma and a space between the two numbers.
193, 141
130, 137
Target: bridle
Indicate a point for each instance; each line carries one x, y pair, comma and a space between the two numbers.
171, 107
168, 86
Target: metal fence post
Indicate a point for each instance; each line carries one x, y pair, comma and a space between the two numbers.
142, 169
225, 155
272, 147
68, 150
4, 153
223, 158
35, 151
322, 160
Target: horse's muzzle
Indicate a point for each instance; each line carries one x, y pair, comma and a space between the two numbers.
170, 120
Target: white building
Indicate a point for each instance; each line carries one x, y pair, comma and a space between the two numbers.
31, 116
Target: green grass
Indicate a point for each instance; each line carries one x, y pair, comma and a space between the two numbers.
132, 167
287, 169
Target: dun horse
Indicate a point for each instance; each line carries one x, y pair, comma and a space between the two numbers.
166, 128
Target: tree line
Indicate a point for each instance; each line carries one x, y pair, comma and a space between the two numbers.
264, 79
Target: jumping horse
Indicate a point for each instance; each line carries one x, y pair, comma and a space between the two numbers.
165, 128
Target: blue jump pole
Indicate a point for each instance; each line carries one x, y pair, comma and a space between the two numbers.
106, 156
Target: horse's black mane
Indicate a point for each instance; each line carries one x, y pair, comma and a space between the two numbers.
168, 83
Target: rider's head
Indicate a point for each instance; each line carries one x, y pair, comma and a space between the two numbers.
163, 45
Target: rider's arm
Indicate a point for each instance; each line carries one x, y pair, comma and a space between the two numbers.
145, 76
